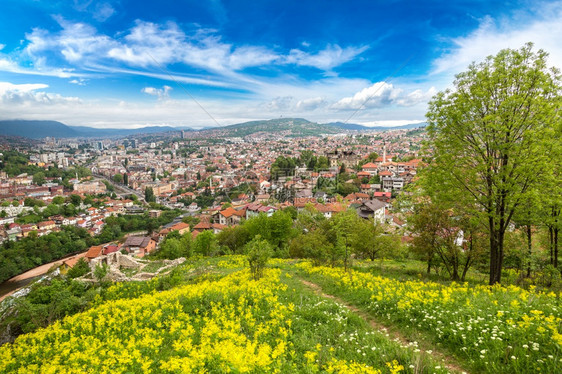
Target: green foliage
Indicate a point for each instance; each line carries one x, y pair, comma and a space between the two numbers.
29, 201
58, 200
493, 137
27, 253
283, 167
175, 246
234, 238
258, 251
39, 178
314, 245
205, 244
149, 196
100, 271
276, 229
79, 269
118, 178
48, 302
75, 199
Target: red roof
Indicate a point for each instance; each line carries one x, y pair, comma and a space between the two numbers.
110, 249
369, 165
94, 252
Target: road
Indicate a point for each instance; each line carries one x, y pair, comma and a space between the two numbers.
125, 189
19, 281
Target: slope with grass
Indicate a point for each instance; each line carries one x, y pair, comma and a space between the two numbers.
220, 321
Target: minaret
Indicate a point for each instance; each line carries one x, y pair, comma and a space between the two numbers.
384, 153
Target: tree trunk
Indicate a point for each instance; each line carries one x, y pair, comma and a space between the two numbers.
494, 254
530, 246
556, 247
551, 244
428, 265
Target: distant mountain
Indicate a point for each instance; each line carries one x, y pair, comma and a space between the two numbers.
348, 126
37, 129
42, 129
353, 126
289, 126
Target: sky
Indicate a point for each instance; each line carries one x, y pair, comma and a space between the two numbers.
203, 63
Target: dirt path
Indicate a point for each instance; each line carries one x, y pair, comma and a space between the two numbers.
450, 363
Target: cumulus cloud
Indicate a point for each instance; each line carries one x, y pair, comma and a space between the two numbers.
416, 97
310, 104
382, 94
543, 29
25, 95
161, 93
378, 95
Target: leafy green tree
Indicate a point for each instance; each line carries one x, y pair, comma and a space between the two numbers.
258, 251
313, 245
118, 178
149, 196
79, 269
370, 241
100, 271
175, 246
39, 178
75, 199
205, 243
59, 200
491, 137
234, 238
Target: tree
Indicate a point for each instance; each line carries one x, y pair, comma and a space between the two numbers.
205, 243
118, 178
59, 200
76, 199
258, 251
126, 179
370, 241
39, 178
490, 137
149, 195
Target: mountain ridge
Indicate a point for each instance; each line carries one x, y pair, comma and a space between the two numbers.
37, 129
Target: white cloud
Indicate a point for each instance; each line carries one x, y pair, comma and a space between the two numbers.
416, 97
310, 104
76, 42
381, 95
79, 82
149, 45
326, 59
391, 123
103, 12
160, 92
542, 28
27, 96
378, 95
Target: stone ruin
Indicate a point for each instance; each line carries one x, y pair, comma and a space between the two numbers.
117, 261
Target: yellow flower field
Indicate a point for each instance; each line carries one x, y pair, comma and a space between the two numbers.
230, 324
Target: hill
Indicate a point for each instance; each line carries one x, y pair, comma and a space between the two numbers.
353, 126
287, 126
55, 129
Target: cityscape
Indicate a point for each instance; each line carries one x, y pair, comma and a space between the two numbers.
265, 187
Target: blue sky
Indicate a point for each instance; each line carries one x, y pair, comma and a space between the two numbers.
131, 63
